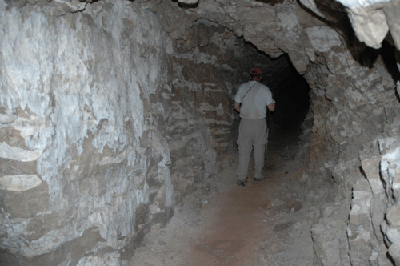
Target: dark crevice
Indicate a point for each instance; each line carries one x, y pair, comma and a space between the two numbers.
292, 96
388, 52
186, 5
362, 171
390, 258
271, 2
389, 58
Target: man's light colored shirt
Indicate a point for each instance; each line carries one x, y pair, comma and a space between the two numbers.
253, 102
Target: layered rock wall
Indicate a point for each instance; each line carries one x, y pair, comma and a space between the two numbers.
106, 121
209, 64
355, 85
85, 172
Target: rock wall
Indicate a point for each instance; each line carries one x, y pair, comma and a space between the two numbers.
360, 103
200, 125
355, 90
85, 171
111, 111
198, 117
107, 119
353, 151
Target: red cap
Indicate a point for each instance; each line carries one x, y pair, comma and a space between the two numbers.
256, 70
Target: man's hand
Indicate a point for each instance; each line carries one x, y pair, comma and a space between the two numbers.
236, 106
271, 107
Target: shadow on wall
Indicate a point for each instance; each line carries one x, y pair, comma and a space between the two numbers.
186, 5
271, 2
389, 52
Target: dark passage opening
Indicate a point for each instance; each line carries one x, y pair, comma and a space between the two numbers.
291, 93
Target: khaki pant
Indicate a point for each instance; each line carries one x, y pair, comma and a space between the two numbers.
252, 132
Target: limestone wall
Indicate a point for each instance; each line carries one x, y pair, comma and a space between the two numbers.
107, 119
84, 171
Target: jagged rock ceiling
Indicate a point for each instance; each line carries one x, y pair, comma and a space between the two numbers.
285, 27
371, 19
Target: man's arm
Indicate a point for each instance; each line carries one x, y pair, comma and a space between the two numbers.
236, 106
271, 107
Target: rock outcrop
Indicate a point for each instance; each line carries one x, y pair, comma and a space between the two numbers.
84, 169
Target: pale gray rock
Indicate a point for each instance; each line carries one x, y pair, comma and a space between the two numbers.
16, 153
110, 259
392, 12
80, 104
323, 38
361, 3
7, 119
329, 236
190, 2
370, 25
19, 182
372, 20
390, 168
359, 228
312, 6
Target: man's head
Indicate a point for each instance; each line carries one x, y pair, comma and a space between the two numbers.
256, 73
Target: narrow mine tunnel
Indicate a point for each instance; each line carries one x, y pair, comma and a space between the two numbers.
118, 133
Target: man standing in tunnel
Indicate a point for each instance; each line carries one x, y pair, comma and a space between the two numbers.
250, 101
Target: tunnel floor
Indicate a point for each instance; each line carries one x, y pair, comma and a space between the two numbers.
264, 223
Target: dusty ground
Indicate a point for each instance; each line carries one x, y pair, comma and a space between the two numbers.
264, 223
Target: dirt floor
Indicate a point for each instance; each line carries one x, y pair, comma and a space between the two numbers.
264, 223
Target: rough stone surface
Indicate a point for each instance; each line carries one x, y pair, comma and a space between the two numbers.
110, 111
347, 134
79, 153
329, 236
367, 20
110, 133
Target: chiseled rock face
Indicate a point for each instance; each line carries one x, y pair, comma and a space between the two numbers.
353, 107
84, 170
362, 108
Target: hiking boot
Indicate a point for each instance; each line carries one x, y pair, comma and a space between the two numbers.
258, 179
241, 182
